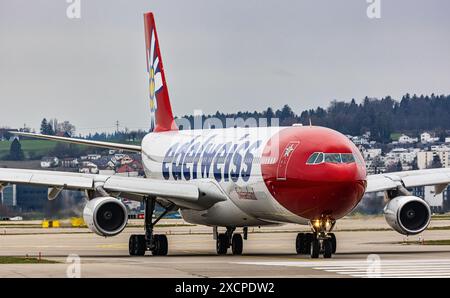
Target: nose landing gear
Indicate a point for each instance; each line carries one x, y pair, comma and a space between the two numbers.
230, 239
320, 241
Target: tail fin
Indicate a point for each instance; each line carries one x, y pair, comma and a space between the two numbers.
161, 111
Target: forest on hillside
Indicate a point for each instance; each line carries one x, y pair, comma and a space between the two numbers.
382, 117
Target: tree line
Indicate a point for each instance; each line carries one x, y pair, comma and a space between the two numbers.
381, 117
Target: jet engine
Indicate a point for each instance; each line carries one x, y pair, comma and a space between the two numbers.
105, 216
408, 215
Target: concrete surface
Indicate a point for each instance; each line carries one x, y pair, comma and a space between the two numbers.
269, 252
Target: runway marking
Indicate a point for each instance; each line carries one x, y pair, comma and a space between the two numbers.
424, 268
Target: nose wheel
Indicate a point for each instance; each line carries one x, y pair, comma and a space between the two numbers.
320, 242
230, 239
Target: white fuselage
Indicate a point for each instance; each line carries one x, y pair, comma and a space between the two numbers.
232, 157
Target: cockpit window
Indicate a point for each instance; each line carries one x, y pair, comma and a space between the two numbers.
336, 158
312, 158
333, 158
347, 158
319, 158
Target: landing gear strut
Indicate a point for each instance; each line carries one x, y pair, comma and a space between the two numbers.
230, 239
320, 241
157, 244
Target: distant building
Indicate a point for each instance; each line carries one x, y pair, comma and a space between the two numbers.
70, 162
371, 153
447, 140
93, 156
401, 154
49, 162
404, 139
425, 158
426, 138
9, 195
127, 170
31, 198
126, 160
89, 169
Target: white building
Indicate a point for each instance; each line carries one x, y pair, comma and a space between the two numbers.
404, 139
94, 156
49, 162
405, 156
440, 148
425, 158
447, 139
371, 153
426, 138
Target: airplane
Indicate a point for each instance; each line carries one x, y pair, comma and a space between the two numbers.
234, 178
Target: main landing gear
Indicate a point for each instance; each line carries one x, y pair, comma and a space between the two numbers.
320, 241
230, 239
157, 244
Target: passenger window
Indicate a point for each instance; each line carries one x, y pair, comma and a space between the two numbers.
312, 158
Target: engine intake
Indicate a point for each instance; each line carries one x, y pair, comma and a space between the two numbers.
408, 215
105, 216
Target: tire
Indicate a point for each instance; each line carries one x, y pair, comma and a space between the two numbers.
222, 244
307, 243
237, 244
300, 243
136, 245
333, 242
131, 245
327, 248
161, 245
315, 248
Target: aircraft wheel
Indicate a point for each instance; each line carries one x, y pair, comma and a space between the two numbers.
333, 242
315, 248
327, 248
136, 245
300, 243
237, 245
222, 244
161, 245
307, 243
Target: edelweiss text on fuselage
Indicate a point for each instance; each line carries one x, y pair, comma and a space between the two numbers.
204, 159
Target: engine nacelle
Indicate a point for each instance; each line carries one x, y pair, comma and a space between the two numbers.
105, 216
408, 215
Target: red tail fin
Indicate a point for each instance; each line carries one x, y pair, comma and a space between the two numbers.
161, 111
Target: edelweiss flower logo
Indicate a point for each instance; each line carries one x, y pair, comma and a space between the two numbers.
154, 77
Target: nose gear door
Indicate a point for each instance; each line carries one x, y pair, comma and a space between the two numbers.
284, 159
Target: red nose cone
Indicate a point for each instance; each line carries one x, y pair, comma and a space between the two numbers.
313, 190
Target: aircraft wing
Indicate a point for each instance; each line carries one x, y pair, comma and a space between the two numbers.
440, 178
126, 147
200, 195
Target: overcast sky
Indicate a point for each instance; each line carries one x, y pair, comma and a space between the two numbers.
218, 55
